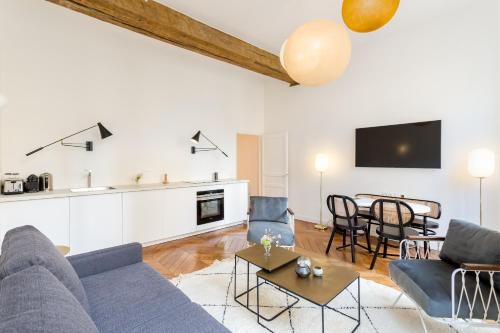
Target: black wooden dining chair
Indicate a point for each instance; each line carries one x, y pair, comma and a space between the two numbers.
345, 219
395, 218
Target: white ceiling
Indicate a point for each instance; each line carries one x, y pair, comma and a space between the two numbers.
267, 23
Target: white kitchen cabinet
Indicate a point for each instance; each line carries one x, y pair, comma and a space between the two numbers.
235, 202
50, 216
145, 216
181, 211
95, 222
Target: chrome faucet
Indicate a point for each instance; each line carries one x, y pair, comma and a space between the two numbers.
89, 178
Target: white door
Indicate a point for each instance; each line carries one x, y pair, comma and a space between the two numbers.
144, 216
235, 202
95, 222
180, 218
50, 216
275, 165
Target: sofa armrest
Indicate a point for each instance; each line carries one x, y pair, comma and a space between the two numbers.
481, 267
104, 260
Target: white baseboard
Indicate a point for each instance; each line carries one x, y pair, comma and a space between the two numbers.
192, 234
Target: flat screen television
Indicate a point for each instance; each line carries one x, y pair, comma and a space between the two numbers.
415, 145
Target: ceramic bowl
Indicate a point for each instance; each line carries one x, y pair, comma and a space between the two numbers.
318, 271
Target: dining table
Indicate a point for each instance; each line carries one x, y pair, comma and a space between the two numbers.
418, 209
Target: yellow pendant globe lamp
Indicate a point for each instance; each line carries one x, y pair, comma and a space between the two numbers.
317, 52
368, 15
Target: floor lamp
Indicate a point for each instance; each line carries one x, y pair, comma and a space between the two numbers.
481, 164
321, 165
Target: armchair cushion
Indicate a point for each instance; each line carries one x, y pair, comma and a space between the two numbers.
26, 246
428, 283
469, 243
34, 300
257, 229
267, 209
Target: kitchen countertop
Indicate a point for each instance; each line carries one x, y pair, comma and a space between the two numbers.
64, 193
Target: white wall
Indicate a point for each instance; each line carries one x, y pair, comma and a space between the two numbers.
64, 71
443, 68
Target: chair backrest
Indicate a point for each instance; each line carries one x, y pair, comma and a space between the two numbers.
342, 206
435, 207
268, 209
394, 213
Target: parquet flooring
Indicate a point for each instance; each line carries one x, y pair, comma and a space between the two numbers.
193, 253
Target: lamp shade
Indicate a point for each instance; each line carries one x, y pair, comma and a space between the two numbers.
104, 131
321, 162
317, 52
196, 137
481, 163
3, 101
368, 15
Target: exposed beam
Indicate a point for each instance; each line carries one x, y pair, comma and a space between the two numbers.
163, 23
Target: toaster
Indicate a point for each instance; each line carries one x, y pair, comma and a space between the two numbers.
12, 184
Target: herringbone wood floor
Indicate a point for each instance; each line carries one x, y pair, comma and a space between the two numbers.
197, 252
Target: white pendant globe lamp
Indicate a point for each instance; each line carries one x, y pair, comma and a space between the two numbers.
321, 165
481, 164
316, 52
3, 101
282, 54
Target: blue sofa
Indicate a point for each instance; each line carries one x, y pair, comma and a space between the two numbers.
110, 290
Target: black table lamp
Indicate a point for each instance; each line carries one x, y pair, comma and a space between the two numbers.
196, 139
88, 145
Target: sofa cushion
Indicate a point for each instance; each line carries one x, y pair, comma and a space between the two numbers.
26, 246
35, 301
469, 243
268, 209
136, 298
257, 229
428, 283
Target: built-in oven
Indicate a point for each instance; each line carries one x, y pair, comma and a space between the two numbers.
210, 206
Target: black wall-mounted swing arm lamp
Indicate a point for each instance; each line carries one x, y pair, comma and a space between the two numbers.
88, 145
196, 139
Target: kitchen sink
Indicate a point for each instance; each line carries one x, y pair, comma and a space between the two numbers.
91, 189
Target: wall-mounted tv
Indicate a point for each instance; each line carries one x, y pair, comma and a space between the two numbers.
415, 145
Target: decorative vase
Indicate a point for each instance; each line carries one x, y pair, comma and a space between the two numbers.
267, 250
303, 268
303, 271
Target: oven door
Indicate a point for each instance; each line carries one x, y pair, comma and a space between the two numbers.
210, 208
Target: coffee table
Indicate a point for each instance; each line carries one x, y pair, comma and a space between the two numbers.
317, 290
255, 255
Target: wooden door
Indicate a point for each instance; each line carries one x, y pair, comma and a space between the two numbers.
248, 161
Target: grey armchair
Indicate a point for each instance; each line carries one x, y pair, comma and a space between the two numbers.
463, 286
271, 213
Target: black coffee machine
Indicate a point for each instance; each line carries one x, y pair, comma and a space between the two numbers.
31, 184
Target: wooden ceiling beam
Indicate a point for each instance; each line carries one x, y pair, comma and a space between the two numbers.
163, 23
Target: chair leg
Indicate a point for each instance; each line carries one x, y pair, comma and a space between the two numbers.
353, 248
385, 247
379, 242
343, 237
331, 240
368, 243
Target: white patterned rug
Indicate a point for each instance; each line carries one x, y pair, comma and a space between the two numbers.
213, 288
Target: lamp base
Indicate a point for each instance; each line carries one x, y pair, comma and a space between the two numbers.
320, 227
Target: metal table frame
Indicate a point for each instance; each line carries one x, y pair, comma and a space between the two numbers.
288, 292
247, 293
